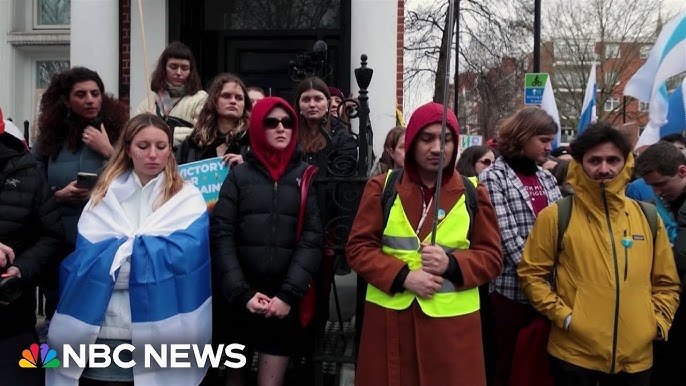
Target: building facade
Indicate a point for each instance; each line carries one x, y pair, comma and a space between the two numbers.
256, 39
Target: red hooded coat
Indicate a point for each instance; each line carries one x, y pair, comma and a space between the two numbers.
408, 347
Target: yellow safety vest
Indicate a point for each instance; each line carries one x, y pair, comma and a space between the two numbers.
401, 241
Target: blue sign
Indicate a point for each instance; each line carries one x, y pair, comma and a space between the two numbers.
533, 96
208, 176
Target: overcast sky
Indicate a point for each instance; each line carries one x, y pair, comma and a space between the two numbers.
423, 94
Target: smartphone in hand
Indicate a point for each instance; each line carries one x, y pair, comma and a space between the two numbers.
86, 180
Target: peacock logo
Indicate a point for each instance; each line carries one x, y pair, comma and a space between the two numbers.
31, 360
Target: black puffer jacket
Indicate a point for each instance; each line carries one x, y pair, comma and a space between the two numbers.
252, 233
341, 153
189, 151
30, 225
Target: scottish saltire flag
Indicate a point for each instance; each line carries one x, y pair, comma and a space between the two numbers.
588, 108
666, 59
169, 283
549, 106
676, 112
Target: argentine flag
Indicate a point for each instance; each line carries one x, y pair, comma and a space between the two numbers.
169, 283
666, 59
588, 109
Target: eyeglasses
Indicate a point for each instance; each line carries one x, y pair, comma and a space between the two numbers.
273, 123
485, 161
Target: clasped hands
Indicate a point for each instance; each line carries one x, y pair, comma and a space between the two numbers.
264, 305
427, 281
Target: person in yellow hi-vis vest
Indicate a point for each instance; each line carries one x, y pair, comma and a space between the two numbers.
421, 321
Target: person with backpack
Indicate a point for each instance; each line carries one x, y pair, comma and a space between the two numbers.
421, 322
663, 168
597, 268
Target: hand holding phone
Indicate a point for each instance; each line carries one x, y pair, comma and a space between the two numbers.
86, 180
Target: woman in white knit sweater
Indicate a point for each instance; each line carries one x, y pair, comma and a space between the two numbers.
176, 91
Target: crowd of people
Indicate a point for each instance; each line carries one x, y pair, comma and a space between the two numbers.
531, 265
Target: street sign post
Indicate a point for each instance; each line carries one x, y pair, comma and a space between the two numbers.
534, 84
469, 140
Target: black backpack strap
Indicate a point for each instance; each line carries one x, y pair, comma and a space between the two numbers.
389, 193
471, 201
650, 211
564, 212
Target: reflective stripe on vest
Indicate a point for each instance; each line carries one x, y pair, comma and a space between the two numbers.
399, 239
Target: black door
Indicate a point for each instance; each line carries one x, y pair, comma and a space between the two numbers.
265, 42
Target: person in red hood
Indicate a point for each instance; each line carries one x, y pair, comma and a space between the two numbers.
421, 319
261, 267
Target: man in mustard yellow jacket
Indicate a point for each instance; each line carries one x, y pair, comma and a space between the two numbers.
616, 289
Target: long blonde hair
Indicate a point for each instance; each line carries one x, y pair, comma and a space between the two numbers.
121, 163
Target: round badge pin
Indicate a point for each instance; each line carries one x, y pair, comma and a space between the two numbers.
441, 214
627, 242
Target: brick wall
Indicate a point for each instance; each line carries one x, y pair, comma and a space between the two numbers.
399, 49
124, 50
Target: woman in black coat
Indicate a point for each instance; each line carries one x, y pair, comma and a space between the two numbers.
31, 242
261, 267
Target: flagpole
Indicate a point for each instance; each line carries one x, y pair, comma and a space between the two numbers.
145, 56
444, 122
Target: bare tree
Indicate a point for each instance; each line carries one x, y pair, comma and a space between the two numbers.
613, 34
488, 33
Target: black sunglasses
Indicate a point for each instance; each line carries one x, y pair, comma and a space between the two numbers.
485, 161
272, 123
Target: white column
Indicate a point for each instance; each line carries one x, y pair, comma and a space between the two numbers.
373, 31
7, 85
155, 24
95, 39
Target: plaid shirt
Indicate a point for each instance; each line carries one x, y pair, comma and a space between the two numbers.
515, 217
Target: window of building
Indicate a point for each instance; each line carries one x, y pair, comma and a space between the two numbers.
645, 50
611, 104
611, 78
272, 14
51, 14
612, 51
45, 69
568, 79
643, 106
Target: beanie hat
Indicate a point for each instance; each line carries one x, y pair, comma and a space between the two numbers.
424, 116
333, 91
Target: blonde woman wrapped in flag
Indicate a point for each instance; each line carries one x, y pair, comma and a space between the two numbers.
140, 273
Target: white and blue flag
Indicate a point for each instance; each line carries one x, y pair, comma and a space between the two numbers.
666, 59
588, 108
169, 282
676, 113
549, 105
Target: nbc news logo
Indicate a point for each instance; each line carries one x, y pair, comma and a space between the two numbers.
39, 357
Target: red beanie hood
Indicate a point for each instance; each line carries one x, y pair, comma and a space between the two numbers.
424, 116
274, 160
